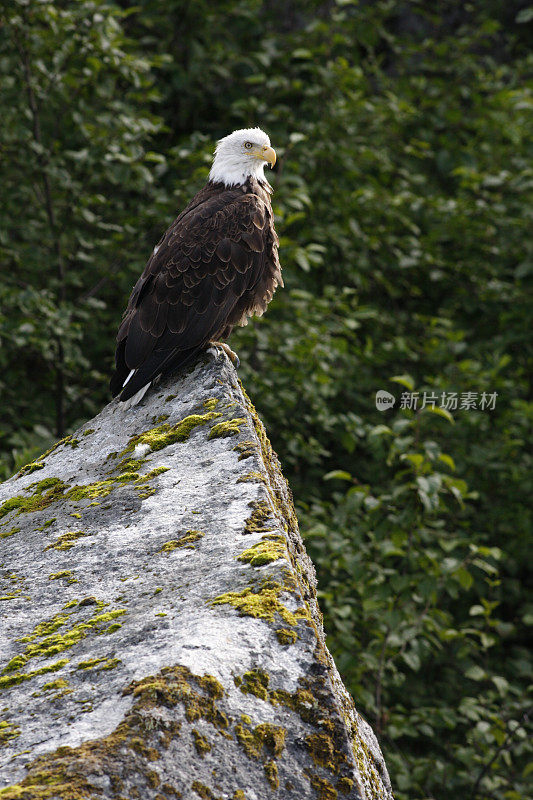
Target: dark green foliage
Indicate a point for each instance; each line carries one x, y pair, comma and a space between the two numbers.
78, 194
403, 202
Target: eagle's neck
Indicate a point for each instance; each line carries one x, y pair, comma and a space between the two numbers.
250, 186
233, 171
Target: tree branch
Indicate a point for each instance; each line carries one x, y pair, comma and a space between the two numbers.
505, 745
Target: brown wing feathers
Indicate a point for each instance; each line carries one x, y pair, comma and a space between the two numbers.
201, 280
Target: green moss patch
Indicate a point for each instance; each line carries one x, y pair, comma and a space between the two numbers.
285, 636
8, 731
198, 694
201, 743
323, 788
252, 477
47, 524
282, 501
10, 532
29, 468
164, 435
67, 540
262, 602
53, 686
203, 791
46, 642
313, 704
264, 552
188, 540
131, 747
211, 404
48, 627
246, 449
257, 521
6, 681
270, 737
64, 574
322, 749
105, 487
344, 785
230, 427
42, 494
271, 772
110, 663
254, 682
112, 628
90, 663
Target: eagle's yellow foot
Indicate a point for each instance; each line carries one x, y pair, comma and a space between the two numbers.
234, 358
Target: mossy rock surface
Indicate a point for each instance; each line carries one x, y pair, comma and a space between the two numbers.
160, 632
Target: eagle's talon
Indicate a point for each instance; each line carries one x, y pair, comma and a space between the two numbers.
234, 358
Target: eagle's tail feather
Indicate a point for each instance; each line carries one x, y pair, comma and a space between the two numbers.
122, 371
132, 373
136, 398
161, 362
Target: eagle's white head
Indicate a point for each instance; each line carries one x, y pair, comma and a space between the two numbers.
241, 155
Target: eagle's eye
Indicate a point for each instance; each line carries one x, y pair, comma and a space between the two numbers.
248, 145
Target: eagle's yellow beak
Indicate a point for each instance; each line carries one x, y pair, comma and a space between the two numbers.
267, 154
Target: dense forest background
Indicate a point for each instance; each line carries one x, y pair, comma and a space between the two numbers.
403, 202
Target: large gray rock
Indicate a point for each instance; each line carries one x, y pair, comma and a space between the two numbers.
160, 634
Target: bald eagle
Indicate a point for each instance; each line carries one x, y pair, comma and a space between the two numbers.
216, 266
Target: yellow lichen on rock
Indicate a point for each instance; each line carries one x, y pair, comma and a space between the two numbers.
188, 540
264, 552
262, 602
